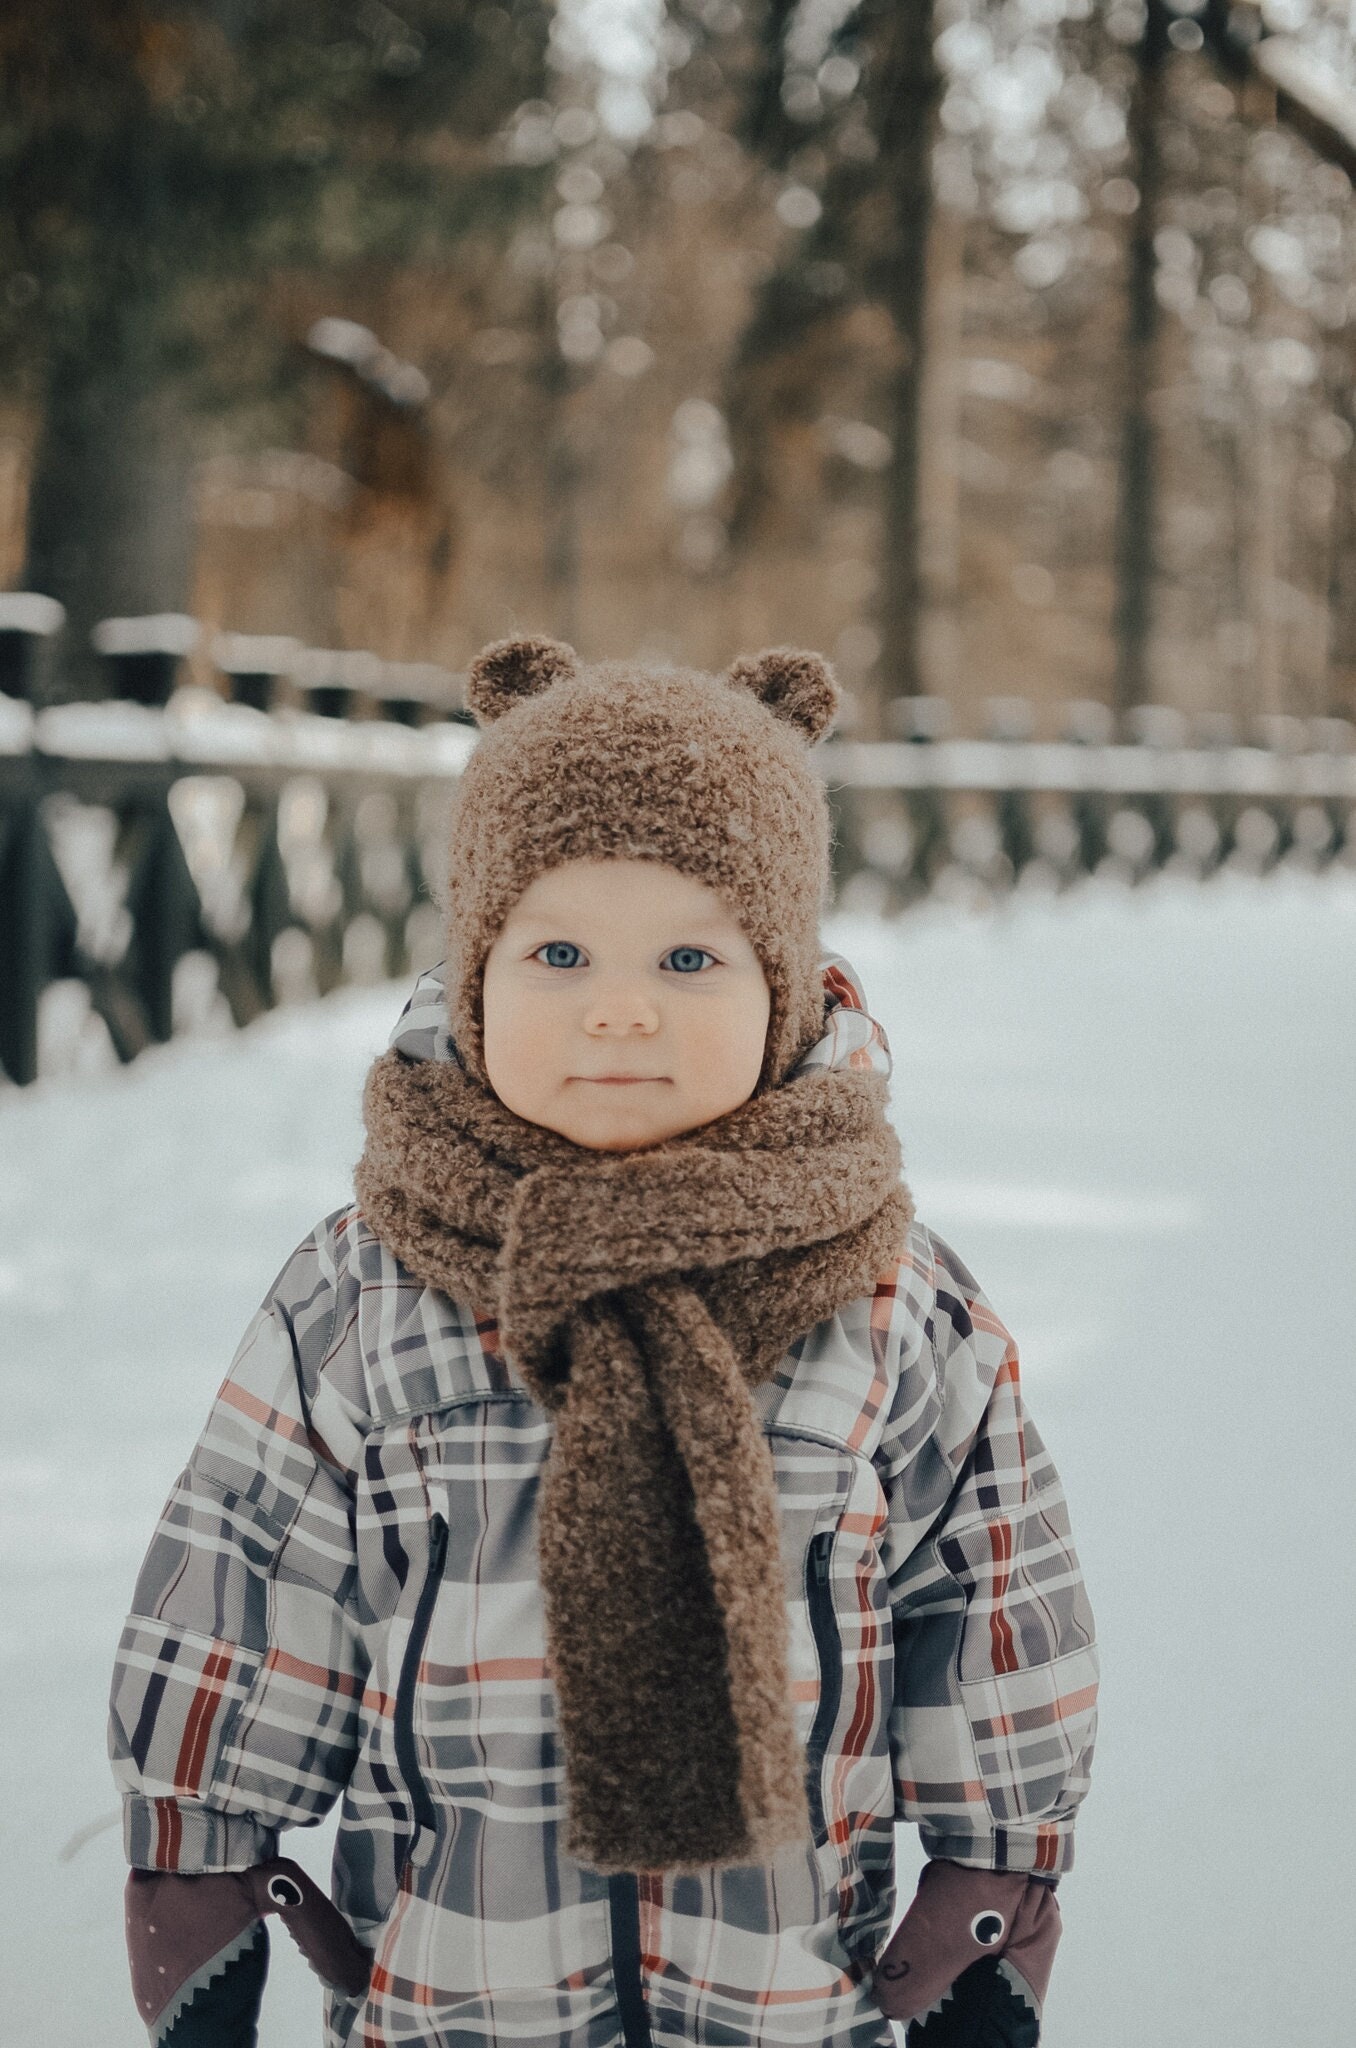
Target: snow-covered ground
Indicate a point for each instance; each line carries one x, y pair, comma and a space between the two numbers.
1133, 1114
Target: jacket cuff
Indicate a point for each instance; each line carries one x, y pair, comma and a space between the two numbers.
1038, 1851
178, 1834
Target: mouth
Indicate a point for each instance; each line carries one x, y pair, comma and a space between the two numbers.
618, 1080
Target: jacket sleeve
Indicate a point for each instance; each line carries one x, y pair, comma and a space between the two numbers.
235, 1693
994, 1708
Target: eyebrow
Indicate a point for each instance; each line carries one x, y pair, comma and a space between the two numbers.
705, 923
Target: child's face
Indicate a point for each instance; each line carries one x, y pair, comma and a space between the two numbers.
622, 967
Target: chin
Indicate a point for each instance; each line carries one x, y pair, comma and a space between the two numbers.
630, 1141
616, 1137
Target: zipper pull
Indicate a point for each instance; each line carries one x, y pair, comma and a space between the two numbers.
819, 1555
437, 1543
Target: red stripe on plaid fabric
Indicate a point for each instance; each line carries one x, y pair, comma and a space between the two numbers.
846, 1835
490, 1668
837, 984
840, 1834
382, 1703
169, 1834
984, 1318
1047, 1848
661, 1966
864, 1704
872, 1403
235, 1396
1000, 1630
384, 1980
412, 1991
650, 1912
312, 1674
966, 1792
487, 1330
886, 1293
1007, 1373
198, 1726
1022, 1722
861, 1522
883, 1299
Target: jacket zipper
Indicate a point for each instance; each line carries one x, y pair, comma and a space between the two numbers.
407, 1754
623, 1899
819, 1599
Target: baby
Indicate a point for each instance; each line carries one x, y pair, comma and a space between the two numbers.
626, 1505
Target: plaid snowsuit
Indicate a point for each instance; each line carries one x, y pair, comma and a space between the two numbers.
340, 1601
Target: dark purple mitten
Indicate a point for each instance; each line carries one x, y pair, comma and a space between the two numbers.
198, 1948
969, 1963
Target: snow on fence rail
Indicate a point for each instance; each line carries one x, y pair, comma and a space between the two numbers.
203, 856
978, 817
207, 855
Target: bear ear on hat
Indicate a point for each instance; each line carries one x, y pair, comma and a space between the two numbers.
798, 686
507, 671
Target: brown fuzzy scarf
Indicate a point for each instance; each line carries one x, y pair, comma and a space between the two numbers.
642, 1295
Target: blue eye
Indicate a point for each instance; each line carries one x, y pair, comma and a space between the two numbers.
688, 958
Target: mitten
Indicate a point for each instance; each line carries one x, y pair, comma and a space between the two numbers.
198, 1947
969, 1963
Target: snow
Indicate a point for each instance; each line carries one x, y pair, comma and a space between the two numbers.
16, 725
198, 726
1131, 1112
1314, 773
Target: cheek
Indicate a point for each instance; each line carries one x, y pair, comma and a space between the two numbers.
518, 1033
724, 1045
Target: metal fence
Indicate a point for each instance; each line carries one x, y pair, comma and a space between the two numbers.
173, 863
204, 859
976, 818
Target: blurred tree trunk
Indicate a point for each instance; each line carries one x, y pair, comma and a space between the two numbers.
906, 90
939, 484
1138, 483
110, 524
1342, 579
562, 475
1261, 481
154, 153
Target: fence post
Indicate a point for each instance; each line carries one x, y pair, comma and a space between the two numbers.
38, 920
1158, 726
166, 915
1012, 719
254, 664
1089, 723
922, 720
29, 626
142, 655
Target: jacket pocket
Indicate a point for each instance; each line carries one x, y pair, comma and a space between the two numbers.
829, 1650
423, 1814
1033, 1731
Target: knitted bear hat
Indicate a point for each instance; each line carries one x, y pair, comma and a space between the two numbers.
618, 760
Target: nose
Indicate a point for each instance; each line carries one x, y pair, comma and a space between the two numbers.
619, 1011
